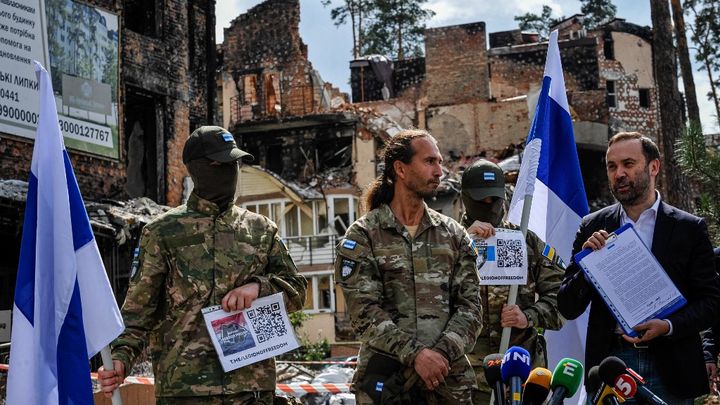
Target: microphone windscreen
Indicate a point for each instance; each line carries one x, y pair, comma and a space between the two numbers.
491, 366
593, 382
515, 363
537, 386
610, 368
569, 374
540, 376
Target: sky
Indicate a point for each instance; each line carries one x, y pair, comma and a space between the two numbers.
329, 47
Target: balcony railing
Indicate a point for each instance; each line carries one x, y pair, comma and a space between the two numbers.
309, 250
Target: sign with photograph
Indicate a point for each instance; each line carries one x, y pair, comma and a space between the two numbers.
253, 334
78, 45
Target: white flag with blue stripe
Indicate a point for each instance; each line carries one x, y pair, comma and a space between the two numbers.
550, 172
64, 310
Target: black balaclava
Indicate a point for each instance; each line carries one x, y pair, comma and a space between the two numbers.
492, 212
214, 182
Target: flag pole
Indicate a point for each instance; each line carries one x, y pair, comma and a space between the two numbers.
512, 296
108, 365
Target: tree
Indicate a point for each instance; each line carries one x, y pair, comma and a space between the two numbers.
706, 36
397, 28
671, 123
685, 66
537, 23
703, 165
597, 12
356, 11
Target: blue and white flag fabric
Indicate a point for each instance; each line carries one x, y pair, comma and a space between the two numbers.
550, 173
64, 310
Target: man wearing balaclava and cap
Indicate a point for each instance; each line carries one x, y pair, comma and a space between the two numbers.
483, 195
206, 252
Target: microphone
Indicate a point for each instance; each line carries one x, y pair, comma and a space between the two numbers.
491, 366
566, 380
537, 387
515, 369
612, 367
625, 386
600, 393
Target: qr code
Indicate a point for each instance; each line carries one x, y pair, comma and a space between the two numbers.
267, 321
509, 253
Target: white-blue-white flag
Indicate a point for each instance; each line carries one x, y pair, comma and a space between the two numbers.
64, 310
550, 172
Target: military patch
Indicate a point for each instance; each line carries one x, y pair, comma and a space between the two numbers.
489, 176
561, 263
473, 246
349, 244
227, 137
549, 252
379, 386
348, 267
135, 263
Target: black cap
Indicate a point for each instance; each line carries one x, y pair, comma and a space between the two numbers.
483, 179
214, 143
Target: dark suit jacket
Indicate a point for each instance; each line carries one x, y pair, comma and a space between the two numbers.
682, 246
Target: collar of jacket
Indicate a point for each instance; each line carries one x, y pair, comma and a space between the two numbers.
204, 206
388, 220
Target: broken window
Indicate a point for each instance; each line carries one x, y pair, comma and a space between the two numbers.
644, 96
142, 16
342, 212
611, 97
272, 94
145, 145
320, 295
250, 89
609, 49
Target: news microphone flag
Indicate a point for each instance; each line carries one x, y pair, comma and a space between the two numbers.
64, 310
550, 173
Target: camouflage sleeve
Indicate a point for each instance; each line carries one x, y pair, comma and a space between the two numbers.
548, 274
464, 326
361, 282
281, 275
140, 310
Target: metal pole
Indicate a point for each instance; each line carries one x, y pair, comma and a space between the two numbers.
108, 365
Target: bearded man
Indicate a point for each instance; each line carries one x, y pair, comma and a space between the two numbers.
667, 352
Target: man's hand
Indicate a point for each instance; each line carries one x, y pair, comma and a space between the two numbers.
110, 380
712, 377
432, 367
596, 240
481, 229
241, 297
512, 316
649, 330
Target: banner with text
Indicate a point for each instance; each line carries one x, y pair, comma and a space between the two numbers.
79, 46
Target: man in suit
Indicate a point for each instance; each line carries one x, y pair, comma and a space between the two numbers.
668, 352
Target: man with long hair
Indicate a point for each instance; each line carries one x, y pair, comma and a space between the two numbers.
409, 278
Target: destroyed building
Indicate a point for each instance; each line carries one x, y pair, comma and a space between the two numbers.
478, 101
160, 59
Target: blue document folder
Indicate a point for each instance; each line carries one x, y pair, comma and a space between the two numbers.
667, 309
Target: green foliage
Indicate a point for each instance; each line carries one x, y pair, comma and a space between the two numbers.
308, 351
394, 28
703, 165
597, 12
705, 37
297, 318
538, 23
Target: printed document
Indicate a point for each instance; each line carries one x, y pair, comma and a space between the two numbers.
502, 259
253, 334
630, 280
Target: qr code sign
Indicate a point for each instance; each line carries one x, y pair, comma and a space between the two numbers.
509, 253
267, 321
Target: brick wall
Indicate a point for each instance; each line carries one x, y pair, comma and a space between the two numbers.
173, 66
267, 38
456, 64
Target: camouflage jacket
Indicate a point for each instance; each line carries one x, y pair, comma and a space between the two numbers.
537, 299
405, 294
188, 259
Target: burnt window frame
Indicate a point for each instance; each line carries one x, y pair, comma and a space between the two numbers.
644, 98
610, 93
150, 26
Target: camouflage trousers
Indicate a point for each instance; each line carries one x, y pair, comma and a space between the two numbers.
243, 398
